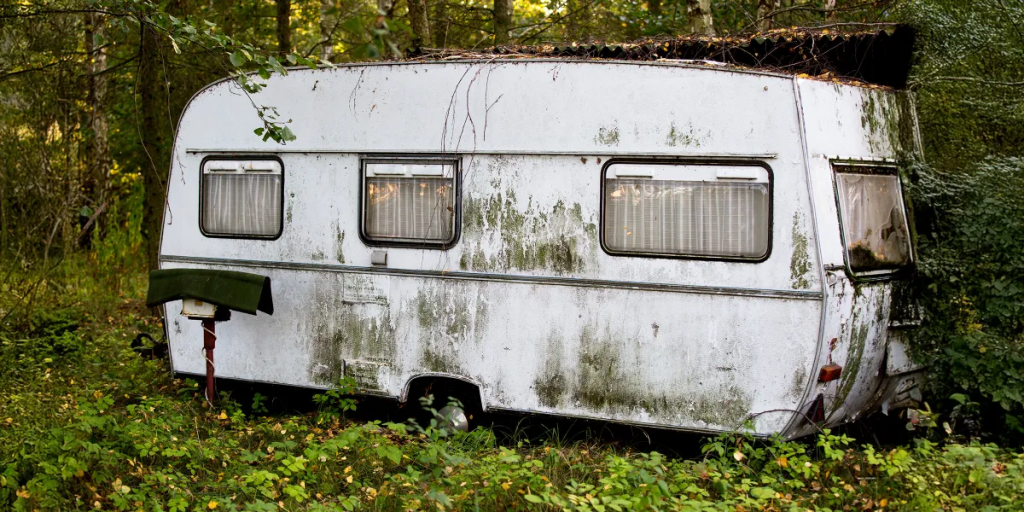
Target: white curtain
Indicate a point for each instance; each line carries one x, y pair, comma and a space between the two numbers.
725, 219
419, 209
244, 204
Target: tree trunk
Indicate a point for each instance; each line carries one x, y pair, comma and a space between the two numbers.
699, 14
98, 146
284, 26
226, 13
441, 21
654, 7
328, 22
502, 21
154, 163
831, 5
419, 23
385, 10
764, 20
577, 20
572, 25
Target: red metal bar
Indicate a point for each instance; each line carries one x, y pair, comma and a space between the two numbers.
209, 342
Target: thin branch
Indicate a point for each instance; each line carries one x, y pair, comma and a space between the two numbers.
48, 12
967, 79
11, 74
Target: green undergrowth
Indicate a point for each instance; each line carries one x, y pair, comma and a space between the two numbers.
86, 423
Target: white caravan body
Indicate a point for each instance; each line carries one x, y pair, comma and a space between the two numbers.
518, 277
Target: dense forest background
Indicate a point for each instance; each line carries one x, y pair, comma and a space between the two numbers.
91, 90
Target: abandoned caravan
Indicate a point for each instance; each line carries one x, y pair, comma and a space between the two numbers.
669, 244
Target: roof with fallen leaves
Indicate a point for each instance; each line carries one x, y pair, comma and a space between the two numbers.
871, 55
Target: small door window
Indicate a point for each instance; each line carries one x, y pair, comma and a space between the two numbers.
242, 198
687, 210
873, 218
409, 201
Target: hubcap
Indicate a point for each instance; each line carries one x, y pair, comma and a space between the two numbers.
454, 417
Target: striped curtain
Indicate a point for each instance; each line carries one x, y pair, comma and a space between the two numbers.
695, 218
243, 204
417, 209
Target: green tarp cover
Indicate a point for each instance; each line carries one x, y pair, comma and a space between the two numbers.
238, 291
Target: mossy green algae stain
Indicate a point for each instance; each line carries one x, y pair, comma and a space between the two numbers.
800, 262
354, 331
339, 239
607, 136
854, 357
799, 383
887, 119
677, 137
610, 379
558, 239
449, 316
358, 328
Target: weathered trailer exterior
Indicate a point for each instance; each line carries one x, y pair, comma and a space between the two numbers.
534, 293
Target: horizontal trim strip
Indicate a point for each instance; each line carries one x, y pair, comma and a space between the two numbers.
471, 276
436, 154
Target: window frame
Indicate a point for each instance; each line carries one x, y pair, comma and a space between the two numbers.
456, 164
202, 190
692, 162
877, 168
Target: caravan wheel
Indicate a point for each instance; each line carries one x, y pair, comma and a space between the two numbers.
463, 415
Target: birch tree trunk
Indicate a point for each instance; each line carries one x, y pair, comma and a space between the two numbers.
99, 148
284, 26
831, 12
328, 22
502, 21
419, 22
699, 14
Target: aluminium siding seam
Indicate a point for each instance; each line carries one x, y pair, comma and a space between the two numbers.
508, 278
449, 154
798, 103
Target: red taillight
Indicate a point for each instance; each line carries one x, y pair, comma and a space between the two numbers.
830, 373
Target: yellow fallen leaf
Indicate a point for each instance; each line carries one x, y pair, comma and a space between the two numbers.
348, 479
883, 502
223, 416
212, 504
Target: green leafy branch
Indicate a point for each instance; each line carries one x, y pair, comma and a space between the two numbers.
251, 66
